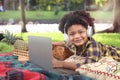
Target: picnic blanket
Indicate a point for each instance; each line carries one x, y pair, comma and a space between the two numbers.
12, 69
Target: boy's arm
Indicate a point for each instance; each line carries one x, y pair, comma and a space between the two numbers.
61, 43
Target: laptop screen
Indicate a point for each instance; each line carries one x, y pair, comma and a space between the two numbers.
40, 51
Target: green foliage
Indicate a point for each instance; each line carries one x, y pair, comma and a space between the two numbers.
76, 1
100, 2
9, 38
4, 47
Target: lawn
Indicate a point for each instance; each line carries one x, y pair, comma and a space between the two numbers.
31, 15
4, 47
108, 38
49, 15
102, 15
105, 38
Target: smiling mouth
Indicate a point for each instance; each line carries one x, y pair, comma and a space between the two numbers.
78, 41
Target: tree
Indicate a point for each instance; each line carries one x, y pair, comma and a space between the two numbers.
23, 20
33, 4
87, 4
67, 4
76, 3
116, 22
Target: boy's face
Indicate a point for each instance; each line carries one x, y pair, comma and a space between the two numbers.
77, 34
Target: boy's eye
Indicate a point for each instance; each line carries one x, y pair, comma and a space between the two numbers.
81, 32
71, 34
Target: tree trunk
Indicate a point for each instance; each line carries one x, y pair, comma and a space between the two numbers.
13, 4
116, 22
6, 4
23, 20
68, 5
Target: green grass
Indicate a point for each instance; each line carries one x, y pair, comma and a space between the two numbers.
104, 15
108, 38
55, 36
10, 14
43, 15
105, 38
49, 15
32, 15
5, 47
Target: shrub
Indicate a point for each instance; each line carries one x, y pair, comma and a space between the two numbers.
9, 38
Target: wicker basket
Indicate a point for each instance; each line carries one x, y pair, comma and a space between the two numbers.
21, 50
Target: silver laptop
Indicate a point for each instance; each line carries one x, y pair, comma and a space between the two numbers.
40, 51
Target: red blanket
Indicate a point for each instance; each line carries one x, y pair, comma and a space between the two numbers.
7, 72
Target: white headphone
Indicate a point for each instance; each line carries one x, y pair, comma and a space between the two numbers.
89, 33
66, 36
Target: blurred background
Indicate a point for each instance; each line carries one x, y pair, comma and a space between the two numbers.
41, 17
50, 11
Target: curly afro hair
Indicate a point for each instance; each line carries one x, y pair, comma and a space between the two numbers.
76, 17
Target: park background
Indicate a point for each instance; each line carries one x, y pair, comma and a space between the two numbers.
31, 13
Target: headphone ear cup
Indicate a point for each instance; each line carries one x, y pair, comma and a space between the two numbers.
66, 37
89, 31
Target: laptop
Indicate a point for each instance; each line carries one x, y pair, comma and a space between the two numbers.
40, 54
40, 51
